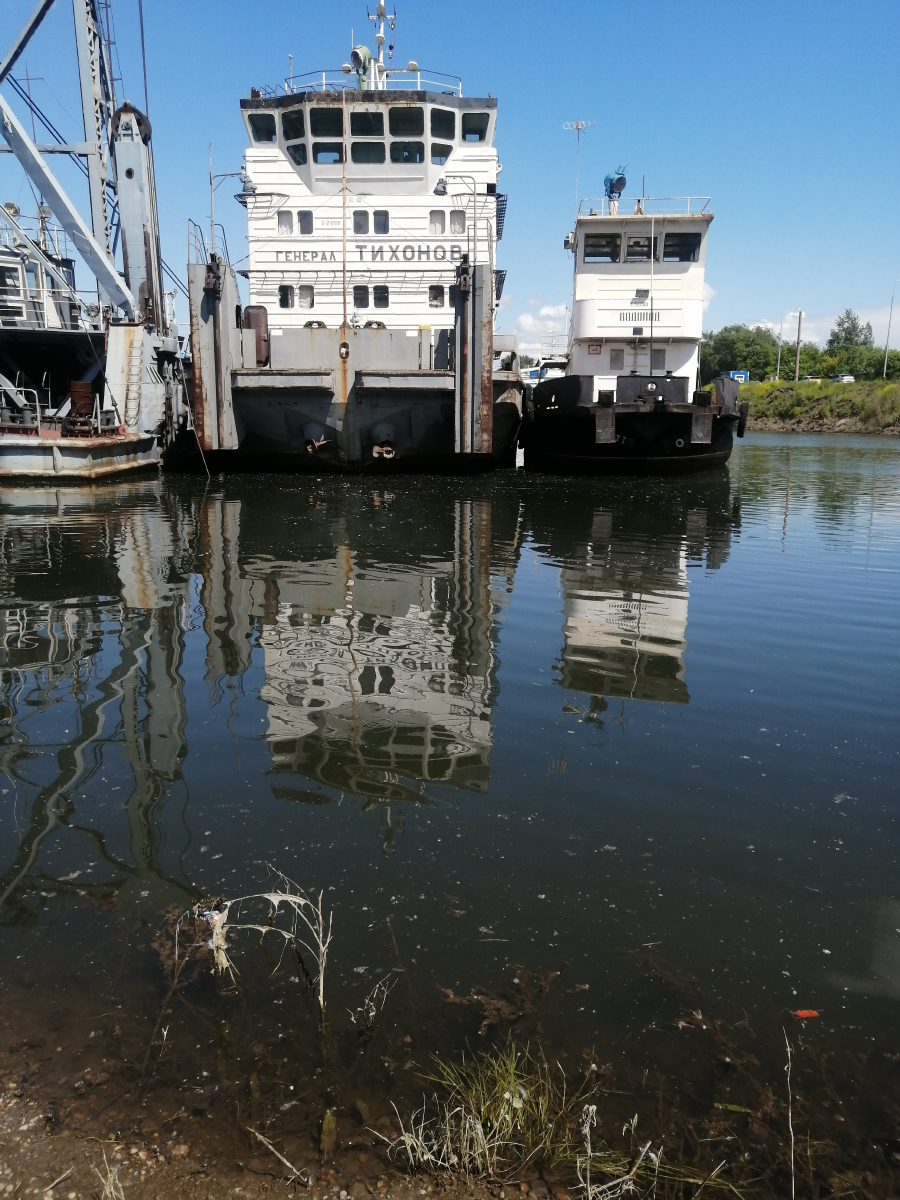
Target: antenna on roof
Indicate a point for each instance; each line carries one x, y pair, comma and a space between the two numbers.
580, 127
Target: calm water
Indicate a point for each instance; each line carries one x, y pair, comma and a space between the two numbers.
644, 733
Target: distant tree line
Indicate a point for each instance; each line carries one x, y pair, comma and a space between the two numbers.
850, 350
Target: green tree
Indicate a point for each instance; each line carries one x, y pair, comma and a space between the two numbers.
849, 331
738, 348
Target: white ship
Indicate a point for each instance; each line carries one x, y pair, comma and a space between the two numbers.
631, 398
373, 218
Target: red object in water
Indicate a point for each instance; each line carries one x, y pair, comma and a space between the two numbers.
803, 1014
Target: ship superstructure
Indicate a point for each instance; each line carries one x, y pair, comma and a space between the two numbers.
631, 394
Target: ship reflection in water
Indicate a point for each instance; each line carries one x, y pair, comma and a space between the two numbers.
624, 582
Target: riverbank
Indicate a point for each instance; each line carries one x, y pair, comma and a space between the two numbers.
871, 407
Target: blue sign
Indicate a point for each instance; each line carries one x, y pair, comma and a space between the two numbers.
740, 376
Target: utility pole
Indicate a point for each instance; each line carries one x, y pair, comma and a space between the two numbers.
797, 356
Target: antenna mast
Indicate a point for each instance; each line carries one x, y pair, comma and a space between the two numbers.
381, 15
580, 127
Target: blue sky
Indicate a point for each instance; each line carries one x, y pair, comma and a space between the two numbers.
785, 113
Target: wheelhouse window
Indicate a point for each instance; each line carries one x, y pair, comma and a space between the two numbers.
617, 360
602, 247
638, 249
367, 124
9, 281
407, 152
293, 124
436, 220
326, 122
305, 222
475, 126
262, 127
306, 296
443, 123
298, 153
367, 152
457, 220
360, 295
328, 152
285, 221
286, 296
404, 121
381, 221
440, 153
380, 295
681, 247
451, 295
436, 295
360, 221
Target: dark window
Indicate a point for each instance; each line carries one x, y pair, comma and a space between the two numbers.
440, 153
9, 280
326, 122
443, 123
451, 295
381, 222
617, 360
638, 249
602, 247
360, 295
380, 295
681, 247
367, 152
293, 124
285, 296
406, 122
262, 127
328, 152
367, 124
298, 153
407, 152
360, 221
305, 222
657, 360
475, 126
436, 295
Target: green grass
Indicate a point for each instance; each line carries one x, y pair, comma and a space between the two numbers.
872, 407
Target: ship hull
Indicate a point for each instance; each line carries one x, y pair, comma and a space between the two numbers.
42, 457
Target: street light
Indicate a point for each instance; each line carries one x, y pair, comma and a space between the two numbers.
789, 313
887, 340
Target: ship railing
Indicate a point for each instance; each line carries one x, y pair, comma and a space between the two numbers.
648, 206
197, 249
52, 238
337, 80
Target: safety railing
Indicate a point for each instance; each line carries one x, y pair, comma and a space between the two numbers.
337, 79
647, 206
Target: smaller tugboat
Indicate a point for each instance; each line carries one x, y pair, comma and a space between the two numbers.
630, 398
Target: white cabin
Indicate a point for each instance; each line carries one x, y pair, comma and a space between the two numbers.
637, 312
363, 197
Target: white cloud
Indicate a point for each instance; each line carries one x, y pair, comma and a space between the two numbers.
548, 321
709, 294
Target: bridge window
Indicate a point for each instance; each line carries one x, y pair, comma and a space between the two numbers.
406, 122
381, 221
457, 220
262, 127
617, 360
328, 152
475, 126
285, 221
443, 123
306, 296
326, 122
380, 295
293, 124
367, 124
436, 220
360, 221
298, 153
367, 152
440, 153
407, 152
305, 222
360, 295
602, 247
638, 249
286, 296
9, 281
681, 247
436, 295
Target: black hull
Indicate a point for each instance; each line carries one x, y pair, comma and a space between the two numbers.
563, 442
